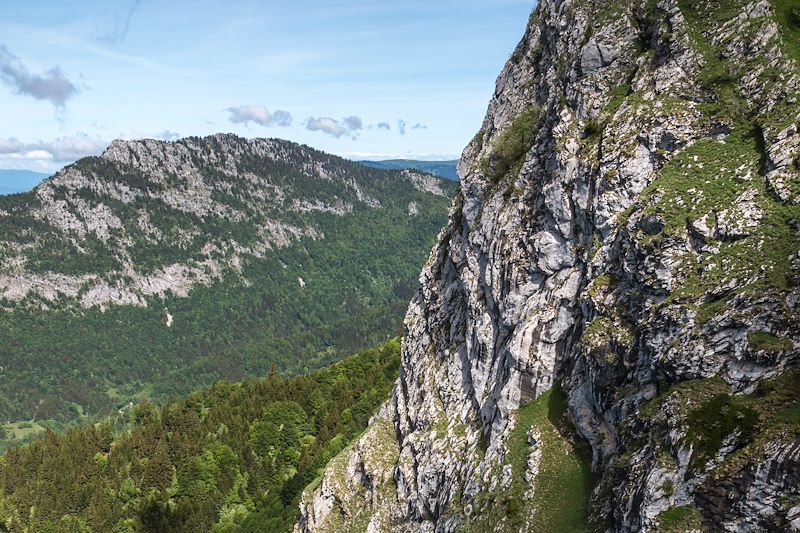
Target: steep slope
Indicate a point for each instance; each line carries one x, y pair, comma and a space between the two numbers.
626, 232
159, 267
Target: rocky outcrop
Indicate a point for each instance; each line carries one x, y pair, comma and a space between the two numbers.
213, 204
627, 228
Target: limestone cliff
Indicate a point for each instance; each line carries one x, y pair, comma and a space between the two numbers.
627, 232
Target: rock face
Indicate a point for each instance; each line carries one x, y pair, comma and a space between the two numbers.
185, 198
628, 228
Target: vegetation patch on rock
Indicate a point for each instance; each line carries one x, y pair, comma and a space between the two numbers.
679, 520
562, 485
510, 147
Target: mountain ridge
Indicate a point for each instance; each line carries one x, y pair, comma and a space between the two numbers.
159, 267
194, 200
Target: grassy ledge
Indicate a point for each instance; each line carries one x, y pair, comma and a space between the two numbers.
560, 501
679, 520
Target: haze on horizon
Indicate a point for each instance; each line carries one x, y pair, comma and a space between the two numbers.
359, 78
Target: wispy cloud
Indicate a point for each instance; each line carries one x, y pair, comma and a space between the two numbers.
347, 126
50, 37
402, 126
244, 114
51, 85
118, 34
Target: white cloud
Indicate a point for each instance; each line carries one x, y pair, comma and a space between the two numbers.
10, 146
282, 118
48, 155
402, 126
64, 149
244, 114
52, 85
353, 123
347, 126
327, 125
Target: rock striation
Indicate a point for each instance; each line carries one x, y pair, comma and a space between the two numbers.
627, 231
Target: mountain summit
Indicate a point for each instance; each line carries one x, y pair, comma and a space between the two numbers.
607, 332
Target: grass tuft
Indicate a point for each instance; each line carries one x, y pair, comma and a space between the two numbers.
764, 342
679, 519
714, 421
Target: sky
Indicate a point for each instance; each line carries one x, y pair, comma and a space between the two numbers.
375, 79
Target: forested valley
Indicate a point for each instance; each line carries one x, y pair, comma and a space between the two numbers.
230, 458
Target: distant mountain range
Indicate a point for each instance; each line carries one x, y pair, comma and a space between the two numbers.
443, 169
17, 181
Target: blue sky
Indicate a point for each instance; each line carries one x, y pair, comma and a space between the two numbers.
359, 78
